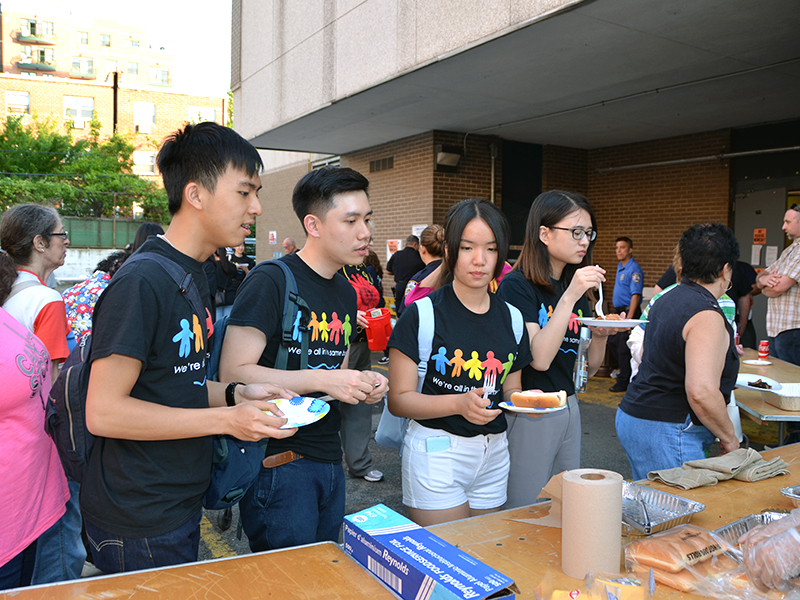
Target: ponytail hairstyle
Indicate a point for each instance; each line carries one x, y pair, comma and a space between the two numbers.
8, 275
547, 210
432, 239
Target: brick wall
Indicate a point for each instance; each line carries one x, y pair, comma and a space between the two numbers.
654, 206
278, 216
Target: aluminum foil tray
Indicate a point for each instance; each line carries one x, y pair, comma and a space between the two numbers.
733, 531
661, 510
793, 493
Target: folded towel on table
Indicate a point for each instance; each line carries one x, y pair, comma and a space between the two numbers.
742, 464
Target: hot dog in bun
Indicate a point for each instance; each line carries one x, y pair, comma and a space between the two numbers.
531, 399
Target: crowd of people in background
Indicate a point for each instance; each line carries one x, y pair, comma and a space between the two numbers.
471, 330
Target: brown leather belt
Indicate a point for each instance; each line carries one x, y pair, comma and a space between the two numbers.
276, 460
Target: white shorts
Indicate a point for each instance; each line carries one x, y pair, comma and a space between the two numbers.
442, 470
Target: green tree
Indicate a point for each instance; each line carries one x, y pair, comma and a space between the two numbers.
84, 178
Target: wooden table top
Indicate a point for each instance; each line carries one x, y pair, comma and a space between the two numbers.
752, 401
527, 552
319, 571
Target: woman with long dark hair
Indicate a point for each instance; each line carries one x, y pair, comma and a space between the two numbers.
549, 285
455, 454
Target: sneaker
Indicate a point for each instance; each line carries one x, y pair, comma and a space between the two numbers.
373, 476
383, 360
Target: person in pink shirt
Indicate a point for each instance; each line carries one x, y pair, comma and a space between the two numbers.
32, 484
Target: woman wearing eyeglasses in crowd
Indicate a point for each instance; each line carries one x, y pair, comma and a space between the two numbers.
549, 284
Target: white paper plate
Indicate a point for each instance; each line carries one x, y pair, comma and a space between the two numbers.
604, 323
757, 362
529, 411
744, 378
301, 410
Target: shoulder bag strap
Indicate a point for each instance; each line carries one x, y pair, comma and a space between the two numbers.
424, 337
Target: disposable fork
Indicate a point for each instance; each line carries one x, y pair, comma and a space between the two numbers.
489, 381
598, 308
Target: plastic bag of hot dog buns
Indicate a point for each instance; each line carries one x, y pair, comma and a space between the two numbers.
692, 559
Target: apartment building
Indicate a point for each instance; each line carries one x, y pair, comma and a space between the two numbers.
70, 69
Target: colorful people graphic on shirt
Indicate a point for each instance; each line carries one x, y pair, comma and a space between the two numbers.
347, 330
324, 328
197, 330
184, 337
297, 335
458, 363
335, 328
314, 326
507, 367
473, 365
491, 365
543, 316
441, 359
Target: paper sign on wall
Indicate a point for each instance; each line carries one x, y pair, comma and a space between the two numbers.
760, 236
273, 237
392, 246
755, 255
771, 255
417, 229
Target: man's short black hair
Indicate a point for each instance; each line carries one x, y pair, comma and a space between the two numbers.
315, 192
627, 240
201, 154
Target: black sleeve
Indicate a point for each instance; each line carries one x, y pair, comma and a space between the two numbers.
667, 279
404, 334
259, 301
518, 291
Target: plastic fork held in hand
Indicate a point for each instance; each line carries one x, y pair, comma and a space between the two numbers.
598, 308
489, 381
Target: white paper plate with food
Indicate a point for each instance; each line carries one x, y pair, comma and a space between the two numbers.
301, 410
619, 323
751, 381
536, 403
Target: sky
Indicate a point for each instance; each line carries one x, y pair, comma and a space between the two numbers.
198, 34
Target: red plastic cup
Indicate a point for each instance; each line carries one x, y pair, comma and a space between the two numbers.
763, 349
380, 328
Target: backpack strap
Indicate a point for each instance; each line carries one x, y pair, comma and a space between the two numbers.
424, 337
517, 323
296, 317
18, 287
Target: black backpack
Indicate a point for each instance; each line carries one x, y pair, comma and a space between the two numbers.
65, 419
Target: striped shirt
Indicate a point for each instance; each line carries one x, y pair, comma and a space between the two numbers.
783, 312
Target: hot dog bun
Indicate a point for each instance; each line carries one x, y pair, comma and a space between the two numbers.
531, 399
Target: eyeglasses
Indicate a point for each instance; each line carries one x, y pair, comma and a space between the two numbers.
61, 234
578, 233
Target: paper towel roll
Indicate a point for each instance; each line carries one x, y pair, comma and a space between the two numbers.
591, 522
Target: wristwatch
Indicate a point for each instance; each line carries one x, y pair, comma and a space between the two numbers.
230, 399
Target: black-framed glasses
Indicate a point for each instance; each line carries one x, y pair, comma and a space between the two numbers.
578, 233
61, 234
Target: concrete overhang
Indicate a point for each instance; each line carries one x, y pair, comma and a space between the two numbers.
603, 73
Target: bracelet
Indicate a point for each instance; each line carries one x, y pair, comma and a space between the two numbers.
230, 399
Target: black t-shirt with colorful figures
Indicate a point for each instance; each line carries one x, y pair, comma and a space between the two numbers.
537, 305
466, 346
259, 304
149, 488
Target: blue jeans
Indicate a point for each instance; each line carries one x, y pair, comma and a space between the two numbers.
117, 554
301, 502
60, 552
656, 445
17, 571
787, 346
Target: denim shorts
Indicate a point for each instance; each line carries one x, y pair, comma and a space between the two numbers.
656, 445
449, 470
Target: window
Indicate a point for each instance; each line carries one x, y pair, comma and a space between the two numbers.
18, 102
111, 66
133, 68
83, 37
144, 114
82, 65
27, 54
46, 29
131, 43
27, 27
198, 114
36, 55
144, 162
159, 76
105, 40
79, 110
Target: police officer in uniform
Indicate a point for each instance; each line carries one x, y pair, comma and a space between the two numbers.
627, 298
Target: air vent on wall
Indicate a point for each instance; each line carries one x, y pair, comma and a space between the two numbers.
382, 164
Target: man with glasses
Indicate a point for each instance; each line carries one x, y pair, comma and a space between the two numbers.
777, 282
627, 297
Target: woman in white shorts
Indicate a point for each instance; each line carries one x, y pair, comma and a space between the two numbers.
455, 452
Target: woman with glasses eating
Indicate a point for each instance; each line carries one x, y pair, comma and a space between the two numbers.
549, 284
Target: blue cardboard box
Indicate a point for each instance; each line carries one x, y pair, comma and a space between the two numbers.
416, 564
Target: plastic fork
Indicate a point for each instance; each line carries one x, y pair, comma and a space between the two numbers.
489, 381
598, 308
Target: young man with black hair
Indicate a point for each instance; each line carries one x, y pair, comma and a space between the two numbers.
299, 495
148, 400
627, 297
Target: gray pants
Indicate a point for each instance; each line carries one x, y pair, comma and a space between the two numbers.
357, 419
541, 448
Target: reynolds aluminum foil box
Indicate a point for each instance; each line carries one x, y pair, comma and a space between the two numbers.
415, 563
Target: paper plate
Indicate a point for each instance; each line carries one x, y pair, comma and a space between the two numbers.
757, 362
744, 379
604, 323
530, 411
301, 410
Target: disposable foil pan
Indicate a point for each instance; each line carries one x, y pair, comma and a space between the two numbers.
660, 511
733, 531
793, 493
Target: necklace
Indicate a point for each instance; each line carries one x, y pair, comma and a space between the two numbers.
163, 237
